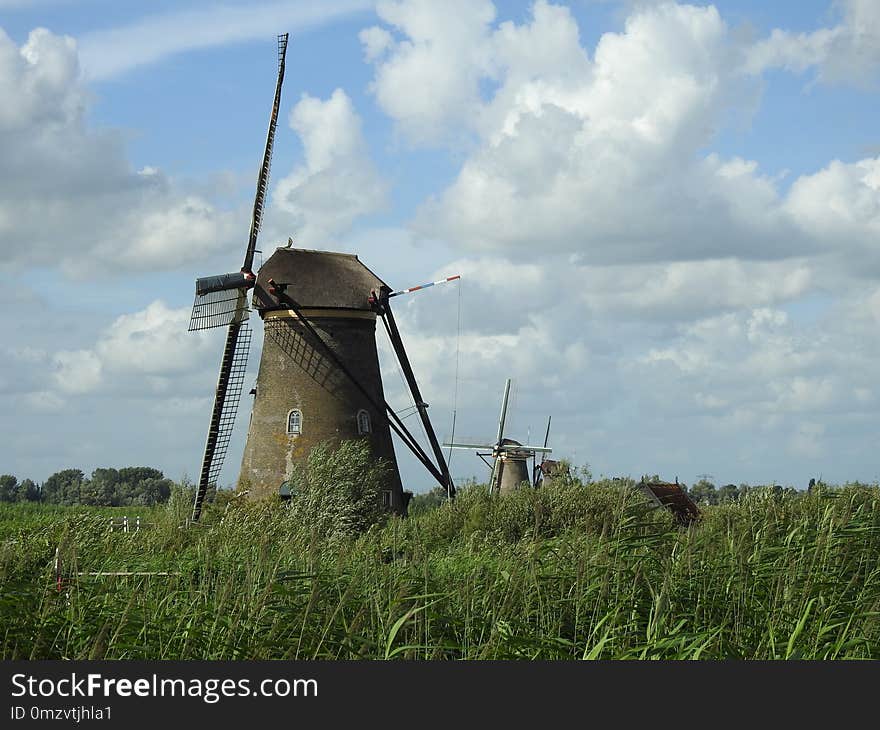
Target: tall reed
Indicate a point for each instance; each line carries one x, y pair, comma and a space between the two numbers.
565, 572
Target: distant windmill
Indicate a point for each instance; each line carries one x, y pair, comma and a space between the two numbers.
548, 469
509, 458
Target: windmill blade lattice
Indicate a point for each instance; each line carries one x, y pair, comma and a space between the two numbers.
218, 309
232, 372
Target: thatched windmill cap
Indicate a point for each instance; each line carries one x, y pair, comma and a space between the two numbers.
509, 450
317, 279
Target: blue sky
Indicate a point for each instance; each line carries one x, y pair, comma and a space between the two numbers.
666, 216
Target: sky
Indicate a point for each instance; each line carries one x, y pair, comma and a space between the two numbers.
666, 217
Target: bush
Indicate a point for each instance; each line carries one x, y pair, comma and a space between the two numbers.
426, 501
337, 491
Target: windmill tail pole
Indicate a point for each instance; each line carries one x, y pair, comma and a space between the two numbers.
423, 286
384, 308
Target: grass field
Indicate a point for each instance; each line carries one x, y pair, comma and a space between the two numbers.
565, 572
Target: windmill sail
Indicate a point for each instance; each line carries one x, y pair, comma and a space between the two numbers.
218, 309
231, 381
503, 417
538, 470
225, 297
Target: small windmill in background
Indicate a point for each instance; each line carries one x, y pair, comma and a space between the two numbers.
509, 463
548, 469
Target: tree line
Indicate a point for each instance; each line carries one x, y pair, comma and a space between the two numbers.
106, 487
705, 492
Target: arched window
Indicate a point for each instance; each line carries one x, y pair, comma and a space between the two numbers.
363, 419
294, 421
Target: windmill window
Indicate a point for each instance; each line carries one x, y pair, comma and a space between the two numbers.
294, 422
363, 420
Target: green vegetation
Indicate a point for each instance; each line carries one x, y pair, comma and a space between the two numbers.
566, 571
337, 491
426, 501
11, 490
704, 492
131, 486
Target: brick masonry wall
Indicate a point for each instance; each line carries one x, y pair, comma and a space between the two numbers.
295, 374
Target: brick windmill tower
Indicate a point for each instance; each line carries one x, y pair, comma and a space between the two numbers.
303, 395
319, 378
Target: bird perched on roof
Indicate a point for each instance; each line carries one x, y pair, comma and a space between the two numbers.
289, 242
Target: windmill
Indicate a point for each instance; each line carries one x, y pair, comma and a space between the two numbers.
547, 468
509, 458
319, 378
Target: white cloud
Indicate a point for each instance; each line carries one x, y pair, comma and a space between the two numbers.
430, 80
795, 52
549, 323
137, 390
566, 141
769, 365
376, 42
39, 82
687, 288
145, 352
807, 440
680, 290
153, 341
112, 52
77, 371
605, 157
841, 205
43, 401
848, 52
337, 183
651, 367
61, 181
